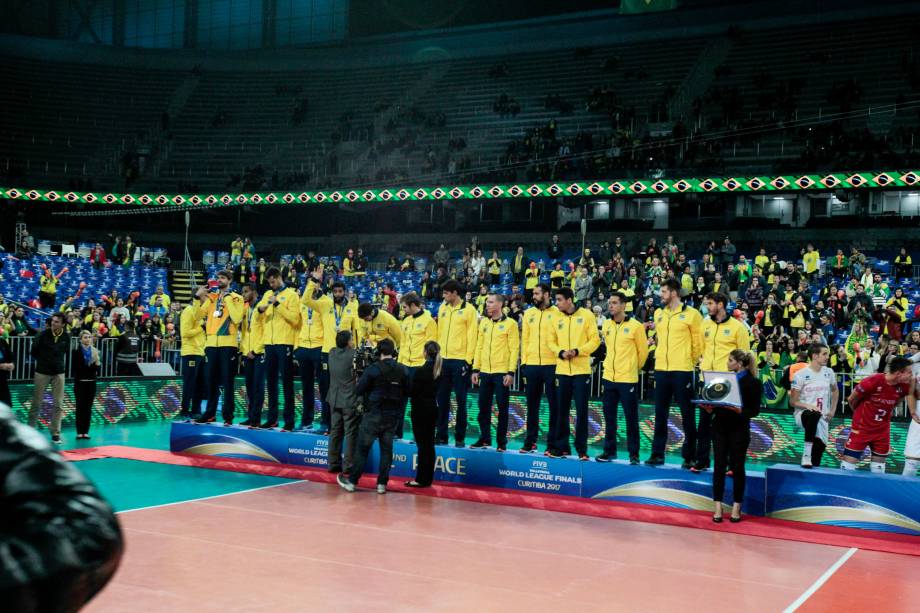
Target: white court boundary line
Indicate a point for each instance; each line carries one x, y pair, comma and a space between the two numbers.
821, 580
171, 504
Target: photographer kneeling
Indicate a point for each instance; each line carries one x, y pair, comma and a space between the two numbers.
386, 384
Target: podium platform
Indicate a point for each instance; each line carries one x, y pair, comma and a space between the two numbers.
667, 486
850, 499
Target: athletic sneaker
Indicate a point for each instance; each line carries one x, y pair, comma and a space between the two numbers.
268, 425
555, 453
381, 488
205, 420
228, 422
605, 457
655, 460
687, 465
246, 422
344, 483
698, 468
528, 448
287, 428
584, 457
56, 439
633, 460
459, 444
806, 463
501, 448
479, 445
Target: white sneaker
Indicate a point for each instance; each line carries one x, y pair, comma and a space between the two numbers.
344, 483
381, 489
806, 462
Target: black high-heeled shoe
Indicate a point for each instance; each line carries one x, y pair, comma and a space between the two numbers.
716, 519
734, 519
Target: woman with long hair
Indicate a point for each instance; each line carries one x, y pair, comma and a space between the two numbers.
85, 367
424, 413
731, 433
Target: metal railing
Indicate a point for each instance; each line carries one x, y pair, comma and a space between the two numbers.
24, 365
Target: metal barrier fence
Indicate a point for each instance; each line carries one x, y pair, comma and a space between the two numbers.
25, 370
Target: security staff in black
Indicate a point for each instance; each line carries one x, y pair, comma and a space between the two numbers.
385, 385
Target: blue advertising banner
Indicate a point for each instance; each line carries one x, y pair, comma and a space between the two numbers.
890, 503
662, 486
489, 468
667, 486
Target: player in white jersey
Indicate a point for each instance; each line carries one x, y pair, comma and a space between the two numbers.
912, 445
814, 397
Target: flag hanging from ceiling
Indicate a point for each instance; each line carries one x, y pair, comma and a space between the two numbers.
631, 7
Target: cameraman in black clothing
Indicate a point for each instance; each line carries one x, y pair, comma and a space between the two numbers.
385, 385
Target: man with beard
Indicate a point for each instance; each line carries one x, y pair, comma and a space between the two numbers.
538, 366
222, 311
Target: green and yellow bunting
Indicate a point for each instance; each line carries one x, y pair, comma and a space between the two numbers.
761, 184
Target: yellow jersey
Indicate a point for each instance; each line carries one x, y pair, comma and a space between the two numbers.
679, 342
417, 330
498, 346
535, 331
222, 315
282, 321
577, 331
720, 339
457, 331
627, 350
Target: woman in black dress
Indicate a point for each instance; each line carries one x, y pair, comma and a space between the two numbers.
424, 413
85, 369
731, 433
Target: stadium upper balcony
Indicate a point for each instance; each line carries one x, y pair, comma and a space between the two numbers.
388, 109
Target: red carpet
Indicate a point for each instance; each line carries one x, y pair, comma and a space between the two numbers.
751, 526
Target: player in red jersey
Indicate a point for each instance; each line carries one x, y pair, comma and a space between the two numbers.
873, 402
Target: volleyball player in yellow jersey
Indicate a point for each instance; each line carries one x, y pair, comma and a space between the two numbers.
627, 350
457, 333
280, 310
191, 331
497, 351
311, 354
252, 353
222, 311
538, 366
573, 339
678, 328
418, 328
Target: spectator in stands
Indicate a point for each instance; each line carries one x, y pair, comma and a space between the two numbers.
127, 251
392, 264
441, 257
360, 263
236, 250
97, 256
28, 242
519, 265
20, 325
48, 282
727, 253
348, 265
49, 350
903, 265
555, 250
